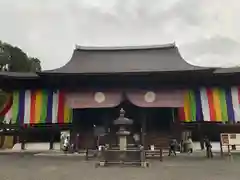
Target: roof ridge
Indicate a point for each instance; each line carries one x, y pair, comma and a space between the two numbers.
170, 45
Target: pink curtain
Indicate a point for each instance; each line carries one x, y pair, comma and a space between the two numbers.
157, 98
93, 99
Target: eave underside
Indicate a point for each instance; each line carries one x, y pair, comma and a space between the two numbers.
209, 77
187, 79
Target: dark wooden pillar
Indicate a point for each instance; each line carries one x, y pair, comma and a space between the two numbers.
52, 140
2, 135
23, 138
143, 129
172, 124
72, 131
200, 135
109, 135
77, 141
176, 127
76, 136
106, 123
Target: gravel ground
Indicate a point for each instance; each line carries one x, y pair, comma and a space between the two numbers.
29, 167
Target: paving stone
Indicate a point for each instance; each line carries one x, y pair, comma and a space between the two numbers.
29, 167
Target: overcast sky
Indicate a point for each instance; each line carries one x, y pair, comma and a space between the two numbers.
207, 32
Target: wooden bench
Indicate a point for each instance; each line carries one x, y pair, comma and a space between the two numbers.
154, 152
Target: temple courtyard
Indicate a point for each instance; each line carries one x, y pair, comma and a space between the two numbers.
28, 166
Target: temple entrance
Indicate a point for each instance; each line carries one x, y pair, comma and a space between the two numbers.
158, 126
85, 119
159, 119
86, 122
91, 122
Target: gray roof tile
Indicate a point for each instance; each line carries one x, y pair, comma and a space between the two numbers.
105, 60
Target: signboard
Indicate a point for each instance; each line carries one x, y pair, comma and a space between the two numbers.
230, 139
225, 139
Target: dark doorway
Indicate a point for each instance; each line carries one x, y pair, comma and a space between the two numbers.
42, 134
159, 119
85, 120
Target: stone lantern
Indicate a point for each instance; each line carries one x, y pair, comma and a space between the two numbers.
122, 133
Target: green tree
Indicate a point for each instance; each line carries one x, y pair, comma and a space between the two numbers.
4, 57
35, 65
15, 60
19, 61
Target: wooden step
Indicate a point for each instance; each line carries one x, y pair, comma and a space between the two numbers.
157, 139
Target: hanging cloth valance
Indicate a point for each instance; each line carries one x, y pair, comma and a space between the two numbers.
91, 99
158, 98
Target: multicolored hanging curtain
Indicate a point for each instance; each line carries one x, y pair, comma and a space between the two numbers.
211, 104
6, 106
6, 111
46, 106
192, 109
37, 107
214, 104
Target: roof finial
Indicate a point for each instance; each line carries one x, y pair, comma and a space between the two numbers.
122, 112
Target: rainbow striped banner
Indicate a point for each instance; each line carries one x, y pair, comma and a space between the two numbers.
46, 106
211, 104
6, 112
38, 107
192, 109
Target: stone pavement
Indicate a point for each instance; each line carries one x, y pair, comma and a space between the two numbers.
28, 167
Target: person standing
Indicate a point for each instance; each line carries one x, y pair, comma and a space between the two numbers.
202, 143
190, 145
136, 138
208, 148
66, 143
172, 147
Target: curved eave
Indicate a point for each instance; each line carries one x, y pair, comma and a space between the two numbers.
202, 70
112, 48
232, 70
18, 75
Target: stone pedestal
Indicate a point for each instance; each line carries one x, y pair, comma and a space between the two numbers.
122, 143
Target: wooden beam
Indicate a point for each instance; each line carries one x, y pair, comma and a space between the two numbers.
51, 141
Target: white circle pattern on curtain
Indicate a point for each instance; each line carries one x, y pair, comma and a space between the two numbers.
99, 97
150, 97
